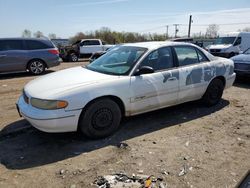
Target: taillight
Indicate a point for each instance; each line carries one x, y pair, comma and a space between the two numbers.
55, 52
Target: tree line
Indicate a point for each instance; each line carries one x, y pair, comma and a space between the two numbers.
113, 37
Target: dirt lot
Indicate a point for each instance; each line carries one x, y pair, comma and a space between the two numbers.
212, 144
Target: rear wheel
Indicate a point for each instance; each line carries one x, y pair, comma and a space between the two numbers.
36, 67
73, 57
214, 92
100, 119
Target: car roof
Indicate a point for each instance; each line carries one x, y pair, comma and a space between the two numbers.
156, 44
23, 38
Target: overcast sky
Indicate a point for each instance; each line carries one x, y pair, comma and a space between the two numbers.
67, 17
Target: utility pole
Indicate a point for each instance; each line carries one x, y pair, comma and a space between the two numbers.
167, 31
189, 27
176, 29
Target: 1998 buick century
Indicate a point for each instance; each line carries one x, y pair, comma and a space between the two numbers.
128, 80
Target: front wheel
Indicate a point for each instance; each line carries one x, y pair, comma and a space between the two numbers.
214, 92
36, 67
100, 119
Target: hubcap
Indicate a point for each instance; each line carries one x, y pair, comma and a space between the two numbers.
36, 67
74, 58
103, 118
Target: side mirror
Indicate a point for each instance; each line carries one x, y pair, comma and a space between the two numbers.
144, 70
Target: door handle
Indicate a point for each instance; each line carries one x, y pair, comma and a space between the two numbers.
172, 79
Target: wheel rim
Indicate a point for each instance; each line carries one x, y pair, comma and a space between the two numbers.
74, 58
102, 119
36, 67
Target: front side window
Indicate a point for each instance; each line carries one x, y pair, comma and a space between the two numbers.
6, 45
201, 56
186, 55
160, 59
237, 42
118, 61
247, 51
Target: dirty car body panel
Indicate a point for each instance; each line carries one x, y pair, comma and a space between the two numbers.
182, 72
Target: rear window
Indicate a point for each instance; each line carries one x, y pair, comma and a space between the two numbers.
36, 45
11, 45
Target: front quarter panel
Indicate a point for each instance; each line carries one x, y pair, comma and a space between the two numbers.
79, 97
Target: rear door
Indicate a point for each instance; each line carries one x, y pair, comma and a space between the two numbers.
195, 72
13, 56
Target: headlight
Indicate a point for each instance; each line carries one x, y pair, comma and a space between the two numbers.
48, 104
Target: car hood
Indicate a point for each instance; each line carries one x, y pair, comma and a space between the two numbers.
242, 58
219, 46
55, 84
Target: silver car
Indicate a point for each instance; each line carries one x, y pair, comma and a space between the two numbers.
22, 54
242, 63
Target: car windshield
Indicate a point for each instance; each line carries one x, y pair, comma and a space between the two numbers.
247, 51
225, 40
118, 61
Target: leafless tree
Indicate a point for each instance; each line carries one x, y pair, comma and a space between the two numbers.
26, 33
38, 34
246, 29
52, 36
212, 31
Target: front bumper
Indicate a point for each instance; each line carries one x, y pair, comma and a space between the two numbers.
230, 80
54, 62
49, 120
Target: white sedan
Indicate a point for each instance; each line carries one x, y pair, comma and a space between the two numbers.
128, 80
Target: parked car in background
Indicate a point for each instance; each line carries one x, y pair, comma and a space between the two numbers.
96, 55
83, 48
22, 54
242, 63
128, 80
230, 44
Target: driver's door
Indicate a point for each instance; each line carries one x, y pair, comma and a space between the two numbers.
156, 90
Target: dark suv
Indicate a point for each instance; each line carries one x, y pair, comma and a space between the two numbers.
22, 54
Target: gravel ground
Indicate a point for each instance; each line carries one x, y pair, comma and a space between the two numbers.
188, 145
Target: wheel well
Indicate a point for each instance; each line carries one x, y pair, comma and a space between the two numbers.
114, 98
27, 66
222, 78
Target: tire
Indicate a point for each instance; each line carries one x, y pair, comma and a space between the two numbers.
213, 93
73, 57
100, 119
36, 67
231, 54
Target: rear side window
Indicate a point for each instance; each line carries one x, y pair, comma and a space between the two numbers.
6, 45
186, 55
36, 45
